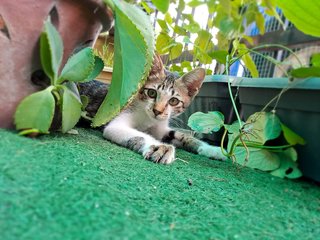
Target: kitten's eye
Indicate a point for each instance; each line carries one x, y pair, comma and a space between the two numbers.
174, 101
152, 93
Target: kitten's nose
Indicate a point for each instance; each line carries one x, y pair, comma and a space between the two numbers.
156, 112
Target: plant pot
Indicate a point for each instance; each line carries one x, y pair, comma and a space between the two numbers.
21, 23
213, 96
105, 76
298, 108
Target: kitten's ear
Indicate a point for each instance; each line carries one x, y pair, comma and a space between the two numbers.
193, 80
157, 68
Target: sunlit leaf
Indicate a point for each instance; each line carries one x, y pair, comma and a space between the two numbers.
305, 72
36, 111
260, 22
175, 51
161, 5
303, 14
219, 55
162, 42
206, 122
315, 60
291, 137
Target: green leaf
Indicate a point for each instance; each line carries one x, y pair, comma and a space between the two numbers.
195, 3
219, 55
305, 72
162, 42
176, 51
249, 63
206, 122
315, 60
51, 50
193, 27
168, 18
288, 167
71, 109
36, 111
291, 137
79, 66
303, 14
262, 126
258, 159
161, 5
163, 24
134, 49
97, 68
260, 22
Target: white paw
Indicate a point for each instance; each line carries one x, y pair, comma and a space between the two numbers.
211, 152
162, 153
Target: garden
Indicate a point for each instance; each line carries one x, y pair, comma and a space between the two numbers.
60, 179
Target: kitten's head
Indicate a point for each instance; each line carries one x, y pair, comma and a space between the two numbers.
165, 94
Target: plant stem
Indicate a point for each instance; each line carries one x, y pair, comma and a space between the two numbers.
230, 93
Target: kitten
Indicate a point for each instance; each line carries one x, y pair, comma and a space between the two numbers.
144, 125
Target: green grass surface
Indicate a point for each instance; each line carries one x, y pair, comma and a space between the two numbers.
83, 187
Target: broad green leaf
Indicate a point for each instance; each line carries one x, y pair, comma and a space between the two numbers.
305, 72
288, 167
162, 42
258, 159
303, 14
262, 126
315, 60
134, 49
98, 67
175, 51
206, 122
161, 5
71, 109
51, 50
36, 111
79, 66
219, 55
291, 137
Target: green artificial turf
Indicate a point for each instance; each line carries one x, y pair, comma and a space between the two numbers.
83, 187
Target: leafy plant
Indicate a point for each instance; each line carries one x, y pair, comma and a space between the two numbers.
133, 40
182, 36
262, 142
36, 112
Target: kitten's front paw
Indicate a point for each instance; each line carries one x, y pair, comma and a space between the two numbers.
162, 153
211, 152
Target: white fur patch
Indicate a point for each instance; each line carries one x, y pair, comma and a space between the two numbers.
211, 152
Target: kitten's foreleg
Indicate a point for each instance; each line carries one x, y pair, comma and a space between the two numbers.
140, 142
192, 144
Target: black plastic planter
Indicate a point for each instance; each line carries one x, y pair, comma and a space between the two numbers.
298, 108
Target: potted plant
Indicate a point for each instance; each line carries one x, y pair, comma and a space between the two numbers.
78, 22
